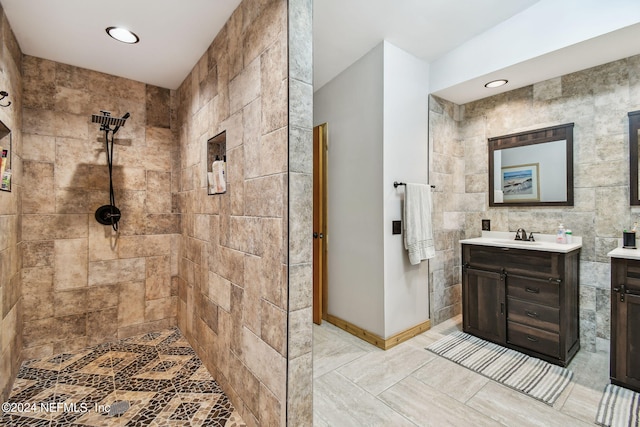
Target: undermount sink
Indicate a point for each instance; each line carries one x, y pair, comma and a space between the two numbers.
516, 242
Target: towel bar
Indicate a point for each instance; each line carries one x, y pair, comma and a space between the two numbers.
396, 184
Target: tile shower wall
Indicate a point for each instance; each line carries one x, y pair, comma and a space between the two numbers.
597, 100
10, 231
300, 333
234, 270
82, 285
446, 167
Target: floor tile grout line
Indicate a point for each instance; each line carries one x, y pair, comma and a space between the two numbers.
462, 403
375, 397
342, 365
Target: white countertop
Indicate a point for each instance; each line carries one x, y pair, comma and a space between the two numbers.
625, 253
543, 242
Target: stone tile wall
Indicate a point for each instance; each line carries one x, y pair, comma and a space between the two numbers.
597, 100
446, 167
241, 249
300, 305
11, 247
82, 284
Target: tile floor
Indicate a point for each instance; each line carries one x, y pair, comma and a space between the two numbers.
357, 384
150, 380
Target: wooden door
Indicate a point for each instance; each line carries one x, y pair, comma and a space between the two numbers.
319, 222
483, 304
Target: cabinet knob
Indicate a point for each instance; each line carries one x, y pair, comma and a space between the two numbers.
532, 339
531, 314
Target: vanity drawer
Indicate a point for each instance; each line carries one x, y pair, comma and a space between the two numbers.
539, 291
513, 261
533, 339
536, 315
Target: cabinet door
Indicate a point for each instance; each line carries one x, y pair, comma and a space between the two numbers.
483, 304
626, 334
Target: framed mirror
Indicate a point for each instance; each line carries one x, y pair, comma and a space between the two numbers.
634, 130
533, 168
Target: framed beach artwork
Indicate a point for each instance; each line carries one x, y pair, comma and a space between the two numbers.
521, 183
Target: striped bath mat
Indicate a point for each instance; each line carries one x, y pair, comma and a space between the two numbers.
534, 377
618, 407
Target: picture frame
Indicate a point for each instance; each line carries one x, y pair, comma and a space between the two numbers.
521, 183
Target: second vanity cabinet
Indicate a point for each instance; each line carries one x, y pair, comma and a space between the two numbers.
625, 322
523, 299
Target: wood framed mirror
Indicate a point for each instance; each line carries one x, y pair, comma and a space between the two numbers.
634, 130
533, 168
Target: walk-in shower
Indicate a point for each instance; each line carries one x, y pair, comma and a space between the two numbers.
109, 214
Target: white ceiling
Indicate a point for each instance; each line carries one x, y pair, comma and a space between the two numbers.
345, 30
174, 35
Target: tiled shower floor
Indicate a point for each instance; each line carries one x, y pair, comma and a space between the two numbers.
151, 380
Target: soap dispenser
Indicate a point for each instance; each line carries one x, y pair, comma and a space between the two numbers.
561, 236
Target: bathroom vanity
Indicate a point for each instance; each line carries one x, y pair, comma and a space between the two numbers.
523, 295
625, 318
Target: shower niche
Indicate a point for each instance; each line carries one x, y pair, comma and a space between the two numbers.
217, 164
5, 157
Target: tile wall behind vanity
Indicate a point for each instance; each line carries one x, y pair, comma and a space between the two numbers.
597, 100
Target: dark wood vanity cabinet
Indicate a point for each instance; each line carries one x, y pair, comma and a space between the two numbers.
523, 299
625, 322
483, 302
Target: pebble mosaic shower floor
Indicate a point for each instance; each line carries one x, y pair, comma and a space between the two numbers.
151, 380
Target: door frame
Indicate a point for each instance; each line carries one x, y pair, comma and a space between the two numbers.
320, 239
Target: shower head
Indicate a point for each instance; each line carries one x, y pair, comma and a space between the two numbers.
106, 120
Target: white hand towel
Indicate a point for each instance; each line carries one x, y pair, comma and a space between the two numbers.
418, 229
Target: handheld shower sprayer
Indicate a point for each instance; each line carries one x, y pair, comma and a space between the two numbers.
123, 119
109, 214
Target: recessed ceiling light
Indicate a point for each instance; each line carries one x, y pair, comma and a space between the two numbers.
497, 83
123, 35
